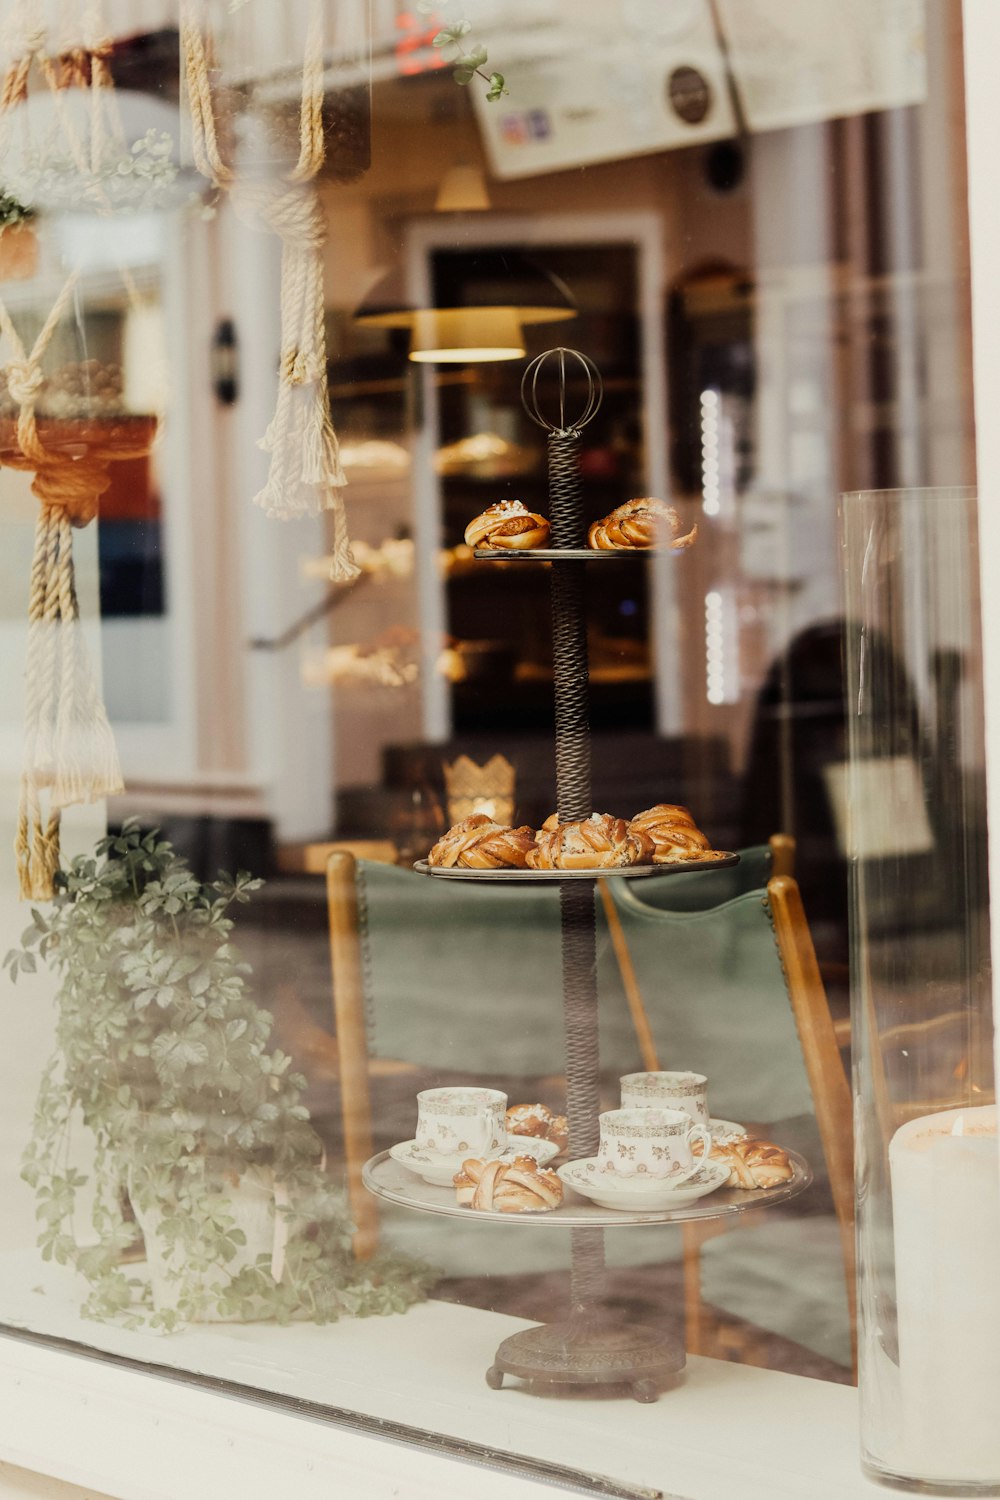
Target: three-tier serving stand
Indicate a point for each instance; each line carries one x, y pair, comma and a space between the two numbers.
590, 1347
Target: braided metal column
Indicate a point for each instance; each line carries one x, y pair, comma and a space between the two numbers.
579, 941
589, 1347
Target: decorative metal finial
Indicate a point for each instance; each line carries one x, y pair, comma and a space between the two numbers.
557, 358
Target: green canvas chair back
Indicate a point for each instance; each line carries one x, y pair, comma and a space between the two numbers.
466, 979
710, 972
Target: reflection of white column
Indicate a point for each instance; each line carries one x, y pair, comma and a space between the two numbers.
795, 402
946, 1236
428, 533
288, 726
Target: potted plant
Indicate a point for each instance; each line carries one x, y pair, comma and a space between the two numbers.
198, 1122
18, 241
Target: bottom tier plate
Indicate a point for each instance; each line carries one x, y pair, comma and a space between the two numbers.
387, 1179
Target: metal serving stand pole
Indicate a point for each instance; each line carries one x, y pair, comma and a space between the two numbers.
589, 1347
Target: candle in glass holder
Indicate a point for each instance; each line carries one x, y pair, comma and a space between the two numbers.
946, 1236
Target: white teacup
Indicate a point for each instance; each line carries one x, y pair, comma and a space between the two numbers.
461, 1122
650, 1143
685, 1091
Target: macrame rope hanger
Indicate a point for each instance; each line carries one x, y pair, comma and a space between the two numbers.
305, 475
69, 750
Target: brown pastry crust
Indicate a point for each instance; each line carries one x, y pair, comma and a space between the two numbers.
674, 836
537, 1120
517, 1187
601, 842
646, 522
754, 1164
509, 526
477, 843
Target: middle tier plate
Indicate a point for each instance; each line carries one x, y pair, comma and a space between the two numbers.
387, 1179
626, 872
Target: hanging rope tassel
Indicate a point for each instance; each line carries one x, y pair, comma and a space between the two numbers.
69, 749
305, 476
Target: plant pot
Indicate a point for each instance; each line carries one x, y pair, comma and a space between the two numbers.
18, 252
251, 1206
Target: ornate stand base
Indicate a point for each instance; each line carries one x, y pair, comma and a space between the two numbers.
591, 1349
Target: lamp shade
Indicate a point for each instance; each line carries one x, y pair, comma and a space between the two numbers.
466, 335
462, 190
482, 299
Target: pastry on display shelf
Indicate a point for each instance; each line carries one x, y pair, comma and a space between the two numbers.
538, 1120
674, 836
600, 842
640, 523
508, 526
477, 843
520, 1186
753, 1164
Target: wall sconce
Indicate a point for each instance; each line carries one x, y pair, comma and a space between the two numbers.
225, 362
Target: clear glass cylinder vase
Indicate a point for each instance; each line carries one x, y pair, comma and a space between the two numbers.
911, 806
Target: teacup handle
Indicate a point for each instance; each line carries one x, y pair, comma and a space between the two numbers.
706, 1147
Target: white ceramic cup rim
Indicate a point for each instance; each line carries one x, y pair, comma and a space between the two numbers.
460, 1101
679, 1082
646, 1122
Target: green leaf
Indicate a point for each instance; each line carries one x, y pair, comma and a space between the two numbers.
464, 75
497, 88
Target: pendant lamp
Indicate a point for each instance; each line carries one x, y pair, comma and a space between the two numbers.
482, 303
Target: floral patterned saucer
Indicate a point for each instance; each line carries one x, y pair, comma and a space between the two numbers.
440, 1170
651, 1194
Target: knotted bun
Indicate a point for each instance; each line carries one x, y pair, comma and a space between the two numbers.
477, 843
600, 842
640, 523
754, 1164
538, 1120
517, 1187
509, 526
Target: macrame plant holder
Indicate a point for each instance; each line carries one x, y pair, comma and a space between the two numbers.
305, 475
61, 133
69, 750
63, 145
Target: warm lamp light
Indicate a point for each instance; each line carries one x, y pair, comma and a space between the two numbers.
466, 335
462, 190
482, 303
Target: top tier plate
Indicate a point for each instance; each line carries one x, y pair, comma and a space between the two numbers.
628, 872
568, 554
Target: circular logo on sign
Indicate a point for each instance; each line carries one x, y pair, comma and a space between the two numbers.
690, 95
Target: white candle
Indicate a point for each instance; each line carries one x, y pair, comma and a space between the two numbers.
946, 1236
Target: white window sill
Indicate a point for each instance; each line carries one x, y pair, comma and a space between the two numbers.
728, 1431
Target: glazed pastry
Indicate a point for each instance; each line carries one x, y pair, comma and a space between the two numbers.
601, 842
520, 1186
640, 523
538, 1120
508, 525
754, 1164
673, 834
477, 843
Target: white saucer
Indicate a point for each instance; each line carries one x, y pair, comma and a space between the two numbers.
439, 1171
725, 1131
637, 1194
